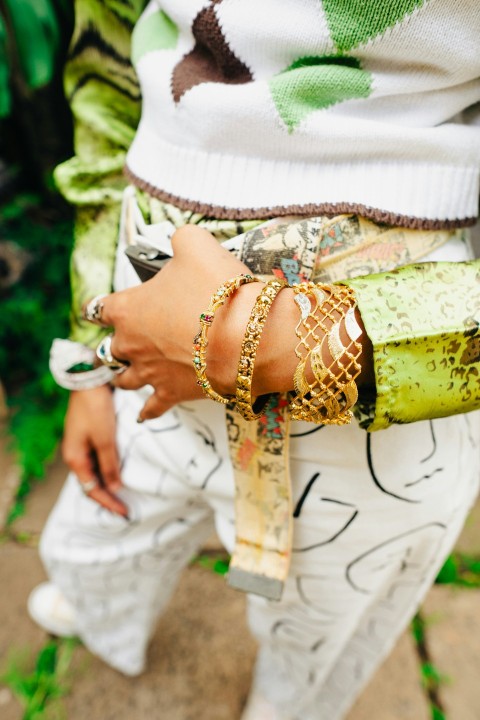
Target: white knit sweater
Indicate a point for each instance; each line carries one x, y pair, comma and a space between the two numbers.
270, 107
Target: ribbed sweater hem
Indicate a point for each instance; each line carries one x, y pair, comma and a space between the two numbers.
423, 195
309, 210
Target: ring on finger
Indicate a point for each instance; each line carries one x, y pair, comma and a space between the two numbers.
106, 357
92, 311
88, 485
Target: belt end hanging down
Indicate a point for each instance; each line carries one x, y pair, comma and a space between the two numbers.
267, 587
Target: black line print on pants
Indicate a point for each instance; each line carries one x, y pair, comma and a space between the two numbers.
127, 449
290, 628
473, 443
400, 550
307, 432
308, 486
309, 588
338, 532
194, 467
415, 482
424, 477
170, 428
168, 545
375, 478
434, 443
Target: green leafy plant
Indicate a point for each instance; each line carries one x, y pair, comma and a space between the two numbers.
35, 121
30, 40
431, 677
39, 689
34, 311
5, 99
460, 569
216, 562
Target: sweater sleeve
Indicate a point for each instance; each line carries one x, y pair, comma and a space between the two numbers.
103, 92
423, 321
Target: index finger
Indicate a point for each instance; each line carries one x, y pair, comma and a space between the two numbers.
109, 501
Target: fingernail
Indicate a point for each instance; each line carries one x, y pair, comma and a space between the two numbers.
140, 420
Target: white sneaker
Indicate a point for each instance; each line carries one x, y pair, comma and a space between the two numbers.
259, 708
51, 610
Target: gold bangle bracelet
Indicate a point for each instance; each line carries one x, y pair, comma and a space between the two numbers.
200, 341
251, 341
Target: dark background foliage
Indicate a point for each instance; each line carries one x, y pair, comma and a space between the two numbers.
35, 224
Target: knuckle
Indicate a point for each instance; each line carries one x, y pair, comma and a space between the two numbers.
104, 444
110, 477
69, 456
119, 382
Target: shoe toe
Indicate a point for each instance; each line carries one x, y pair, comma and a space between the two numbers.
51, 610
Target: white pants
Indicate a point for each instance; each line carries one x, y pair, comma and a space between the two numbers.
375, 516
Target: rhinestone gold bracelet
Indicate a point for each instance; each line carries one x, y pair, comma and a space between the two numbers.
200, 341
244, 401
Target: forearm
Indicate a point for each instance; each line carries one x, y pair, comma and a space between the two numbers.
276, 360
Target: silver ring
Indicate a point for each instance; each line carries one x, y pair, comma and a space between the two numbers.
92, 312
104, 354
88, 486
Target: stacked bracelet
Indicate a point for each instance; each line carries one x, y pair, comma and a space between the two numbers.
200, 340
251, 341
334, 366
328, 351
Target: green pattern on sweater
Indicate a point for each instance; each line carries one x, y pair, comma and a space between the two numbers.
353, 22
315, 83
153, 32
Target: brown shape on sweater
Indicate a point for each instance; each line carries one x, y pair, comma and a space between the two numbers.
211, 59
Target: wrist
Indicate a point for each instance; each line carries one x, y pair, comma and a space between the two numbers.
275, 360
226, 337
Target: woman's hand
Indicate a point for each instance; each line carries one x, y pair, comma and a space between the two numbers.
89, 447
155, 323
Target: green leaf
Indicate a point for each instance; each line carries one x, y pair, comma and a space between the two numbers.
47, 659
418, 629
437, 714
221, 567
37, 36
449, 572
38, 689
5, 98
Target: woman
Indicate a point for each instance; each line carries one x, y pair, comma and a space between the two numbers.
327, 118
